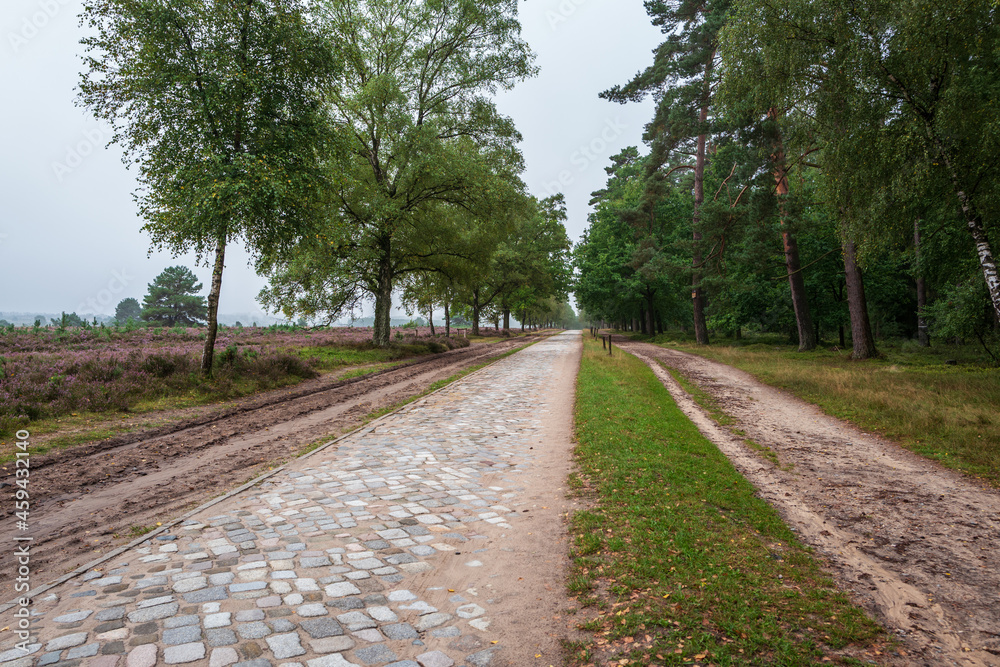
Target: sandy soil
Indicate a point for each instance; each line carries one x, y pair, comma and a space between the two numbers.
86, 499
530, 617
916, 544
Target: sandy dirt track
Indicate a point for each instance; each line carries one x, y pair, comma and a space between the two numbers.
917, 545
84, 496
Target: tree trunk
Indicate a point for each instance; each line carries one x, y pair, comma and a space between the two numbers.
383, 300
800, 303
697, 297
861, 329
475, 312
650, 313
974, 222
986, 261
208, 354
923, 335
447, 320
430, 319
506, 320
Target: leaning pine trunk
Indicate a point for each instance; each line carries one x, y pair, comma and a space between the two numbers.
800, 303
861, 329
208, 355
430, 318
447, 320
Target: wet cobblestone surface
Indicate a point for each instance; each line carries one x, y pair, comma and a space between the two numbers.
362, 554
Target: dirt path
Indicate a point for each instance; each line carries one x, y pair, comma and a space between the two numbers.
86, 499
918, 545
529, 573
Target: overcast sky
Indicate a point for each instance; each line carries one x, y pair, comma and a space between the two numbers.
69, 235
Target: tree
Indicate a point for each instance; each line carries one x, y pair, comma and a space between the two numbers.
221, 105
526, 262
173, 299
423, 136
68, 320
902, 100
682, 78
127, 309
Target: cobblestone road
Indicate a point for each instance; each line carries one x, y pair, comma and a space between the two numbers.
371, 552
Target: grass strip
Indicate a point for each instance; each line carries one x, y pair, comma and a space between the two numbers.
677, 562
950, 414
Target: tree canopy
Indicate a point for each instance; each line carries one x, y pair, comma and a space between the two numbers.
173, 300
221, 106
849, 146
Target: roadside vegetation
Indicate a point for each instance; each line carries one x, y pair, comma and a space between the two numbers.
949, 413
677, 562
51, 378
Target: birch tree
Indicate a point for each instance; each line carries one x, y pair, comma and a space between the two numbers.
220, 104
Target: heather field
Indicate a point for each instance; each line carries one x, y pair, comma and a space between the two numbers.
48, 372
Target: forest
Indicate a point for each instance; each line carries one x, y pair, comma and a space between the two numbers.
824, 171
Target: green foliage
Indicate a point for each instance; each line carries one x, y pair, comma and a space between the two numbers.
173, 300
127, 309
68, 320
221, 104
428, 155
963, 314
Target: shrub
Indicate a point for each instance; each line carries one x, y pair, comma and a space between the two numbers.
164, 365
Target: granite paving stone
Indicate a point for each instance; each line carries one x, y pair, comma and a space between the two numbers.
286, 645
435, 659
375, 654
332, 660
173, 655
83, 651
142, 656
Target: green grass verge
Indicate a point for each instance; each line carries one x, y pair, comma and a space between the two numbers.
947, 413
329, 357
677, 562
